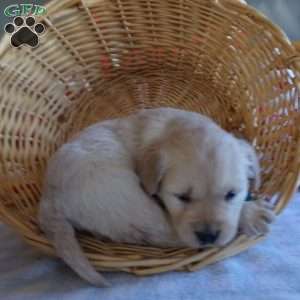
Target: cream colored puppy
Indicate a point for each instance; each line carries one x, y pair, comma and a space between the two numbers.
162, 177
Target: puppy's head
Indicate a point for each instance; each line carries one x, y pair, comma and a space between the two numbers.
202, 178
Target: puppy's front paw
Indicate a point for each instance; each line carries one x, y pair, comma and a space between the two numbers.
256, 218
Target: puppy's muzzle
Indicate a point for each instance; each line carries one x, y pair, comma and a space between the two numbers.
207, 237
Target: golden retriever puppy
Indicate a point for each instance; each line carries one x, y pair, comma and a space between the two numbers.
161, 177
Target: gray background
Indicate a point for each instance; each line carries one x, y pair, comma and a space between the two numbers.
286, 13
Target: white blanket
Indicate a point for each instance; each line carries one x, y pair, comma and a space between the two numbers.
270, 270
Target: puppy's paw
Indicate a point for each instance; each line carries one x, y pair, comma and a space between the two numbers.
256, 218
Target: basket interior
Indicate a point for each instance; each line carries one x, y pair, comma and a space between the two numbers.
105, 59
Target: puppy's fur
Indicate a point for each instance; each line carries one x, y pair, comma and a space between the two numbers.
110, 178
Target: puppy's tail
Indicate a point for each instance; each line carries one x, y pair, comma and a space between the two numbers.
62, 234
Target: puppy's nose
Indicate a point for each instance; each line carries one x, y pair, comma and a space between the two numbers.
207, 237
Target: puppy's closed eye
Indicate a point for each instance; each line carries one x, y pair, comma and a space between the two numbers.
185, 198
230, 195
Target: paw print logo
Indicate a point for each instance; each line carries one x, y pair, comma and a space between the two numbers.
24, 31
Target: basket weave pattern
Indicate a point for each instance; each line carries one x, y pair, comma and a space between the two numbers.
101, 59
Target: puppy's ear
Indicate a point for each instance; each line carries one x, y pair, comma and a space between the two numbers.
151, 167
252, 163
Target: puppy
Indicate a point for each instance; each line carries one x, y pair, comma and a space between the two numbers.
161, 177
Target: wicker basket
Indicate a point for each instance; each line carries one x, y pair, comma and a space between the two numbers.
101, 59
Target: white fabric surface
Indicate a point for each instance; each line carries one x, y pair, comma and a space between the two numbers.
270, 270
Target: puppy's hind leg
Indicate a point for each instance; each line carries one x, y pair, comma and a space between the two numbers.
69, 250
62, 234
